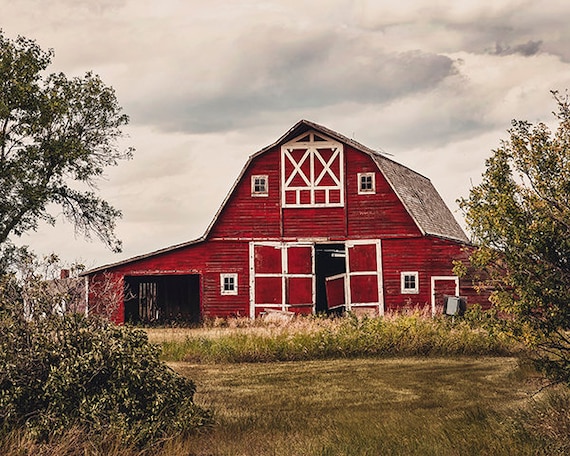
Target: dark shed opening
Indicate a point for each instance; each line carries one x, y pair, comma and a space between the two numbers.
162, 299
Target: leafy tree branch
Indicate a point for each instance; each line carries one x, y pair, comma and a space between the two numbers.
57, 137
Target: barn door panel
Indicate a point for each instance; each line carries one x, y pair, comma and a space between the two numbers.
298, 273
268, 290
364, 275
300, 259
364, 289
362, 258
336, 291
266, 287
267, 259
281, 277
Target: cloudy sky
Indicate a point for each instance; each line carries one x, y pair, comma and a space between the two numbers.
207, 83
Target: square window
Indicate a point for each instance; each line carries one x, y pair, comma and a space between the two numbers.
410, 283
259, 186
366, 183
228, 284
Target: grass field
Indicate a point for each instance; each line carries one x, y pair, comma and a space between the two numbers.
400, 385
406, 406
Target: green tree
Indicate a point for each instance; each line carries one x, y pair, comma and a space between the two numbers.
57, 136
520, 217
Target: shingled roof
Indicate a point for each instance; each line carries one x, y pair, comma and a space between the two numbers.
421, 199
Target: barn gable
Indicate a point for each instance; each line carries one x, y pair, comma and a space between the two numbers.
313, 219
311, 176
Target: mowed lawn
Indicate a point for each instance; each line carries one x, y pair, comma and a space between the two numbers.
397, 406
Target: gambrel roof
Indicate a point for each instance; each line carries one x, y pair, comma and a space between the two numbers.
416, 192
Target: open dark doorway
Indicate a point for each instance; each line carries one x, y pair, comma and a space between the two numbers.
162, 299
329, 261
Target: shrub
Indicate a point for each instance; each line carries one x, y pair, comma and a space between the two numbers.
63, 371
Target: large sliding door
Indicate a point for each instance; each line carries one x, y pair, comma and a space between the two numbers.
281, 277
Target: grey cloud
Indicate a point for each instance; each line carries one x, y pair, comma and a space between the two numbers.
289, 75
508, 27
527, 49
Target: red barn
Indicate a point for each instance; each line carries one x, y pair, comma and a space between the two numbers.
314, 222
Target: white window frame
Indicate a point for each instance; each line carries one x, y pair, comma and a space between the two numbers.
234, 289
416, 277
255, 177
369, 191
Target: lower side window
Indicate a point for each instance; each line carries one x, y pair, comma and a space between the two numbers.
409, 283
228, 284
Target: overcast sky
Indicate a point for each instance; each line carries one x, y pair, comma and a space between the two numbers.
207, 83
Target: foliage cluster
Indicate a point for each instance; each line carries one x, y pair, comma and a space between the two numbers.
59, 372
520, 218
307, 338
57, 136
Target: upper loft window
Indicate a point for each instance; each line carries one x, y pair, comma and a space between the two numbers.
366, 183
259, 186
312, 172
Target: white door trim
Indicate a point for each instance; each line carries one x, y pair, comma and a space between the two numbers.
434, 279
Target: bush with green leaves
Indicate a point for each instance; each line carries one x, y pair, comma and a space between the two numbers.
63, 371
519, 215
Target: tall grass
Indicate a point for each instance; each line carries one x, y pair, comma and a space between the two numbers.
306, 338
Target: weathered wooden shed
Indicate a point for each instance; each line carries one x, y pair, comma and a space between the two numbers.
315, 222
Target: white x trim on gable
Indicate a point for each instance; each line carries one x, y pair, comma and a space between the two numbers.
312, 172
297, 171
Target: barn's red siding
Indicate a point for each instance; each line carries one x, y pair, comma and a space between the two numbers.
209, 260
246, 216
378, 215
430, 257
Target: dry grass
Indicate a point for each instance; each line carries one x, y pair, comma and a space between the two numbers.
398, 406
404, 406
410, 406
306, 338
221, 327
